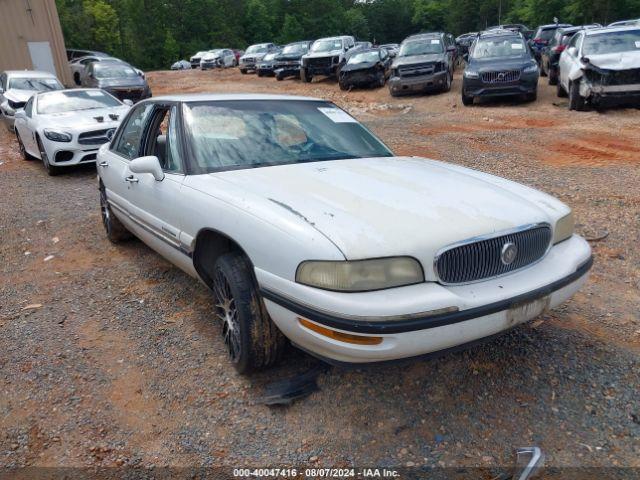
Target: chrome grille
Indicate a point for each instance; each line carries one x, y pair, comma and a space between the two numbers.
481, 259
506, 76
417, 70
96, 137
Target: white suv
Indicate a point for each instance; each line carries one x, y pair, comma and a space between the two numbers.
326, 57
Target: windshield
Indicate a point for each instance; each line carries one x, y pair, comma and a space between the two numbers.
421, 47
365, 57
240, 134
499, 47
612, 42
326, 45
270, 56
114, 71
35, 84
296, 48
69, 101
257, 49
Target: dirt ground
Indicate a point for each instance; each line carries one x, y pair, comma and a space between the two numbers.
110, 356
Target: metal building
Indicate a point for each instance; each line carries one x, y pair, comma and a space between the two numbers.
31, 38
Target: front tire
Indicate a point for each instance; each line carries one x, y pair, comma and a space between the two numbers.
576, 102
252, 339
52, 170
466, 99
23, 151
306, 78
560, 92
115, 230
553, 76
243, 71
447, 84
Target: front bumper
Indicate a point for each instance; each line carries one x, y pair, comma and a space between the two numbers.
420, 83
448, 316
209, 64
360, 79
611, 95
476, 88
327, 70
247, 65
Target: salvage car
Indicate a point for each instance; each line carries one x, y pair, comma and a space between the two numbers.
326, 57
181, 65
253, 55
17, 86
220, 58
541, 37
601, 67
306, 226
120, 80
423, 64
550, 55
66, 127
366, 68
500, 64
392, 48
80, 67
287, 62
195, 59
266, 66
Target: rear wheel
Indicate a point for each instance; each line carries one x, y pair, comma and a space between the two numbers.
576, 102
553, 76
115, 230
52, 170
560, 90
253, 341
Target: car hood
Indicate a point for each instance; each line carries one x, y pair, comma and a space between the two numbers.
288, 57
84, 119
16, 95
616, 61
354, 67
257, 56
332, 53
210, 56
493, 64
433, 57
378, 207
122, 82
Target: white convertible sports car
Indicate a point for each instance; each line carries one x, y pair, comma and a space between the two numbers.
305, 226
66, 127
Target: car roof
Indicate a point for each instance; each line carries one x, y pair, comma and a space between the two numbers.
216, 97
29, 74
500, 33
553, 25
621, 28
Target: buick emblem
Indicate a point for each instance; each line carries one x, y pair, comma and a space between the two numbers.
509, 253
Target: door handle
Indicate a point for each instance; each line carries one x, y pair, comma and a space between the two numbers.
131, 179
103, 164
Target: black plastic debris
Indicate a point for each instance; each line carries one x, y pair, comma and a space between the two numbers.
286, 391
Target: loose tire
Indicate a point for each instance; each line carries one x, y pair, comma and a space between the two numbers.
23, 151
466, 100
252, 339
115, 230
576, 102
52, 170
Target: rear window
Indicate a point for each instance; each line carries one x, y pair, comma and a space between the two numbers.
499, 47
546, 34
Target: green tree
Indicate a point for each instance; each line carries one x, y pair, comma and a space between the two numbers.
429, 15
291, 30
356, 24
104, 25
258, 22
171, 49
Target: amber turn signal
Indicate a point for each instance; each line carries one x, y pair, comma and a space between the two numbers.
341, 337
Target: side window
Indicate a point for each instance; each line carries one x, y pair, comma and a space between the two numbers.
128, 142
579, 41
163, 140
28, 108
3, 81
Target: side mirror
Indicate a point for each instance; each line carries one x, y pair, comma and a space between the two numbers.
19, 114
149, 164
573, 51
128, 102
1, 90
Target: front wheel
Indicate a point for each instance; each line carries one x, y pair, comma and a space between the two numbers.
466, 99
52, 170
23, 150
306, 78
560, 92
253, 341
447, 83
553, 76
115, 230
576, 102
243, 71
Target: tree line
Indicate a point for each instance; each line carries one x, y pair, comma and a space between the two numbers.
155, 33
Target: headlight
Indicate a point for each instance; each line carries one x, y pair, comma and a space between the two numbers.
360, 275
471, 74
531, 69
564, 228
57, 136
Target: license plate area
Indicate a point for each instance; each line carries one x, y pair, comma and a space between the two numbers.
523, 311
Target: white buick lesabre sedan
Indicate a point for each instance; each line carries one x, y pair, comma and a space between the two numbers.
66, 127
306, 226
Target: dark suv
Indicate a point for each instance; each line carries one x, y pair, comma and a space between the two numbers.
542, 35
287, 62
551, 53
500, 64
425, 62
